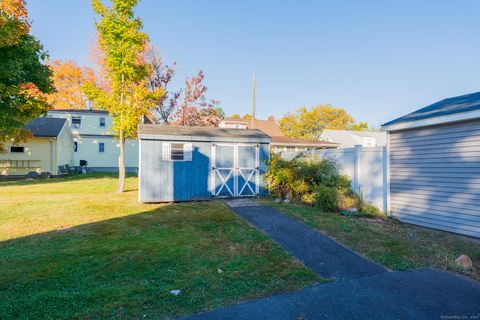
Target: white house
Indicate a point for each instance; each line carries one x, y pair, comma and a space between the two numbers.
279, 141
93, 140
49, 148
350, 138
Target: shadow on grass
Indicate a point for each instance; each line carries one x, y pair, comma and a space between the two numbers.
125, 267
72, 177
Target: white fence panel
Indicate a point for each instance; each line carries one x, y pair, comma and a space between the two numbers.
366, 167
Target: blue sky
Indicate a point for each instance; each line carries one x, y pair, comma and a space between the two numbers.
377, 59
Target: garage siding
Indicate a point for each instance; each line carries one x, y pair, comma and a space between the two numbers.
435, 177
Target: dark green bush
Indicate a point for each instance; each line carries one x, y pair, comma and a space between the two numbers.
325, 198
317, 182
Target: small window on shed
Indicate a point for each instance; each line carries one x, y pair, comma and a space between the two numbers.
177, 151
17, 149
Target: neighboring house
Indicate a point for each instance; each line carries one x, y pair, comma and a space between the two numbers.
350, 138
94, 141
50, 147
279, 141
435, 165
233, 123
197, 163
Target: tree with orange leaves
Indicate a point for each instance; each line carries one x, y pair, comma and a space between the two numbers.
24, 79
68, 79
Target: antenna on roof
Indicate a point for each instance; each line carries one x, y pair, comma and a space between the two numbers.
253, 102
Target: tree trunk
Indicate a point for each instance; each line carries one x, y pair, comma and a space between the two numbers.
121, 158
121, 164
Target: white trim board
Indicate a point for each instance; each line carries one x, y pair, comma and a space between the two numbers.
456, 117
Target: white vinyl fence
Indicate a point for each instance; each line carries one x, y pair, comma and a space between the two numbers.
367, 167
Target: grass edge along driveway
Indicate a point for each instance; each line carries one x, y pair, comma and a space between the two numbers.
398, 246
72, 248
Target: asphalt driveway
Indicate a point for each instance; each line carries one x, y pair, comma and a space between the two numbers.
360, 288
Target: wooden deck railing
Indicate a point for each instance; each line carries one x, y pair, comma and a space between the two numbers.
20, 164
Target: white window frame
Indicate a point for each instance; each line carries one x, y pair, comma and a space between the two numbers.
101, 143
167, 151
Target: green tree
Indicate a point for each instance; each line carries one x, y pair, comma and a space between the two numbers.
360, 126
309, 124
24, 79
127, 97
246, 116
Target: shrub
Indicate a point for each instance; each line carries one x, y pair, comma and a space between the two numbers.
370, 209
325, 198
346, 200
317, 182
313, 181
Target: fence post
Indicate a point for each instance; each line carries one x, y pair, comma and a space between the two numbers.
386, 180
356, 169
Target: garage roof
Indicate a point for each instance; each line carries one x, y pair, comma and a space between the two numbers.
447, 107
46, 127
146, 131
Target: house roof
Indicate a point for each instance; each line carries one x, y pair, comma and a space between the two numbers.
198, 133
235, 120
450, 106
80, 111
350, 138
269, 126
46, 127
282, 140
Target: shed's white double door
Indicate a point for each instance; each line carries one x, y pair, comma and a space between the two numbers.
235, 170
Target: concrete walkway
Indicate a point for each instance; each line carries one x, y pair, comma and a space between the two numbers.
362, 290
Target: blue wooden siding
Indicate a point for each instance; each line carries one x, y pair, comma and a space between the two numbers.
164, 181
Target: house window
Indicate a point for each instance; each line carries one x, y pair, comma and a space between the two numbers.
369, 142
102, 122
176, 151
17, 149
75, 146
101, 147
76, 122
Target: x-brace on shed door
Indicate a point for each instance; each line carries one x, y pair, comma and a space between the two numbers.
235, 170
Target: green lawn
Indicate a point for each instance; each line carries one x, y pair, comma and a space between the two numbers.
396, 245
72, 248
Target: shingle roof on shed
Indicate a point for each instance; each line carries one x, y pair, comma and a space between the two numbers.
162, 130
46, 127
465, 103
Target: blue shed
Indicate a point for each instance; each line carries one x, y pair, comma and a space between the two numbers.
197, 163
